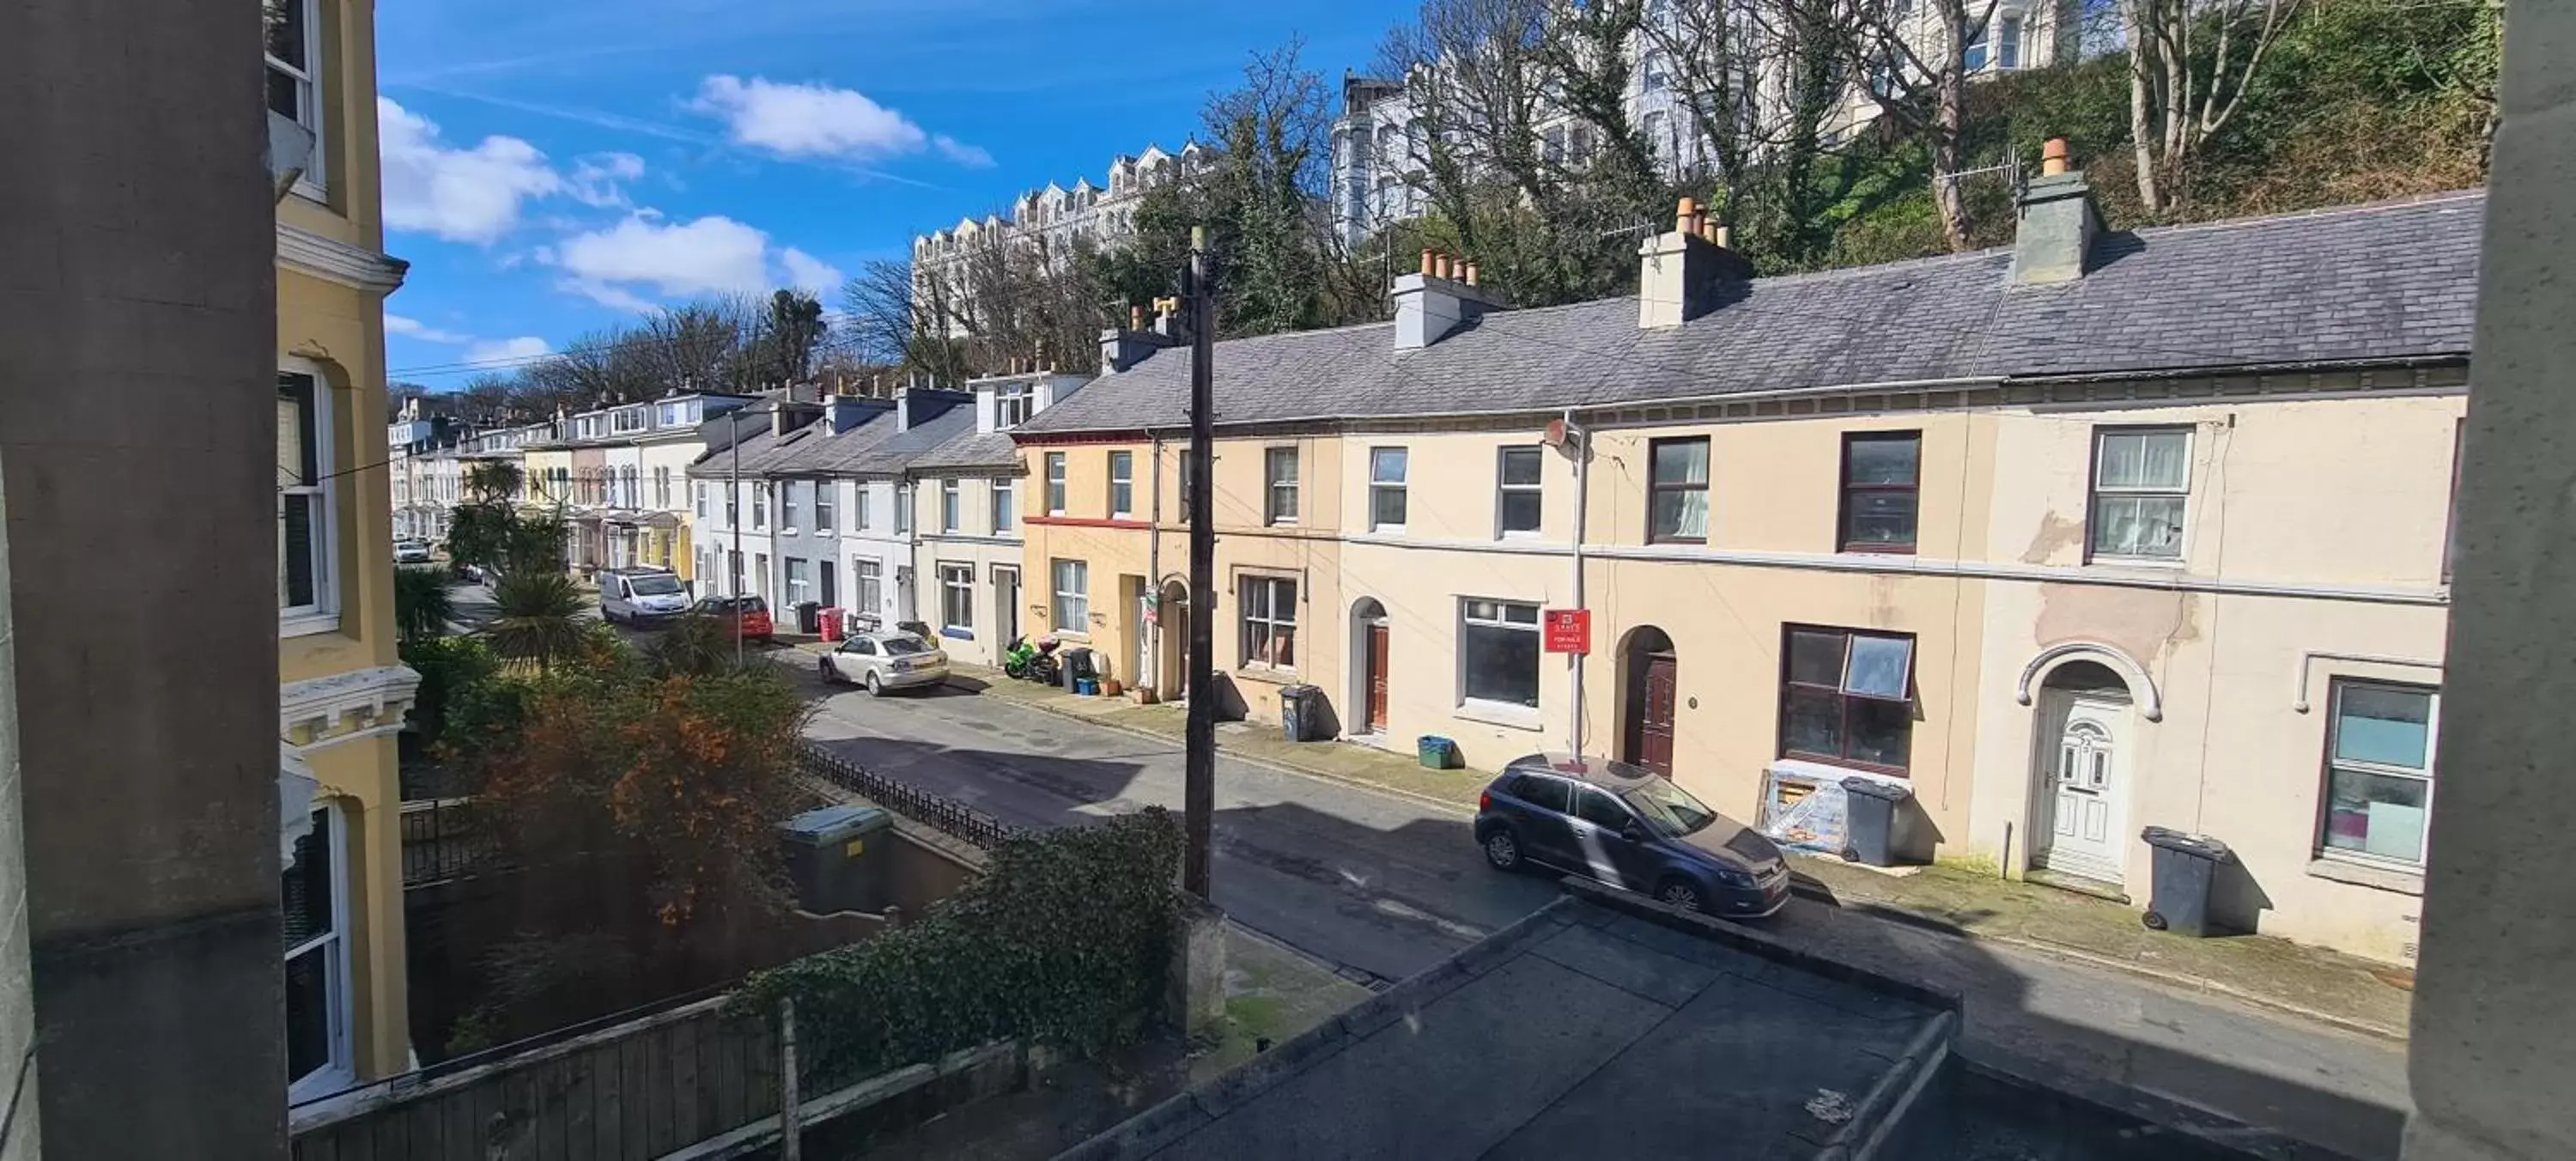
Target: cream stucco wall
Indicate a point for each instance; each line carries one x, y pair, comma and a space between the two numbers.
2315, 528
979, 547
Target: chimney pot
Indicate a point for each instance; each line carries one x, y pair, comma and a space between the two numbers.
1443, 269
1135, 318
1471, 274
1684, 216
1428, 261
2053, 157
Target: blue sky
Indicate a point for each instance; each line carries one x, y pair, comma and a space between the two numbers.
554, 166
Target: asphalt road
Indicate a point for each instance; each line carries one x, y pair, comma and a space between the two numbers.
1381, 887
1377, 886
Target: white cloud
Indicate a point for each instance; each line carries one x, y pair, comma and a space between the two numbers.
808, 273
595, 179
462, 195
970, 156
709, 254
415, 329
495, 350
819, 120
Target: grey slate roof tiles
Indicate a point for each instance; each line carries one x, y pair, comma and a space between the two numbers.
2354, 284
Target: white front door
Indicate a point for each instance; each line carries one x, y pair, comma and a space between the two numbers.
2083, 787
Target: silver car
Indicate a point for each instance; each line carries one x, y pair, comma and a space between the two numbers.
883, 661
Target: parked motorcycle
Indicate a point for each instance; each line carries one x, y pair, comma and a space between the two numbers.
1033, 660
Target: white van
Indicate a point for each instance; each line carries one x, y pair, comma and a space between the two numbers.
641, 595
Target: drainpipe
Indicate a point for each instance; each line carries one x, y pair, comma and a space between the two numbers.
1154, 574
1581, 442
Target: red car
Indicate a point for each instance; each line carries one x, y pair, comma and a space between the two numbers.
753, 612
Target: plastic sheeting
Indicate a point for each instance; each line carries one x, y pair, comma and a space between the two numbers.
1806, 812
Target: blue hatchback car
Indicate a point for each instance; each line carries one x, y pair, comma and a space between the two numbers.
1626, 827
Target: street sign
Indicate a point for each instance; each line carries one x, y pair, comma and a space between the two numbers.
1568, 630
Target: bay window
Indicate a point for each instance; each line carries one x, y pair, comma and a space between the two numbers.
318, 1057
294, 51
304, 539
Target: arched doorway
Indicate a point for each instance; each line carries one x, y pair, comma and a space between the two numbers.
1649, 672
1369, 678
2084, 737
1172, 631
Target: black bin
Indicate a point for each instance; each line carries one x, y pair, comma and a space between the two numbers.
1874, 818
2185, 866
1301, 712
826, 850
809, 616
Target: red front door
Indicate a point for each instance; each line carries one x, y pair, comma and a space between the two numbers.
1377, 677
1655, 723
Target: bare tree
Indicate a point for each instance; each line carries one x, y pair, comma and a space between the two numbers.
2182, 93
1916, 69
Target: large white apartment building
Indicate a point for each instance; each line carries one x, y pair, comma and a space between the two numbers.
1381, 145
1050, 222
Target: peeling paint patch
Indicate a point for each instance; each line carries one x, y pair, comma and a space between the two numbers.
2056, 535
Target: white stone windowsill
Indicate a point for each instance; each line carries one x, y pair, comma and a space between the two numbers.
1495, 713
2403, 880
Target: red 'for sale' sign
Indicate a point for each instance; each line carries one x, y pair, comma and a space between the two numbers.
1568, 630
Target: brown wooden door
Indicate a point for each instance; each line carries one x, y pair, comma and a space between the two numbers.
1655, 724
1377, 677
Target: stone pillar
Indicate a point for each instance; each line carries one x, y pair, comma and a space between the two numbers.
1194, 990
137, 432
2493, 1055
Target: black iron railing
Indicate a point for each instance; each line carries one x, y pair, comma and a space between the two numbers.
439, 843
912, 802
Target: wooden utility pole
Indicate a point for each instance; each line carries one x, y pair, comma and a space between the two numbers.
1198, 786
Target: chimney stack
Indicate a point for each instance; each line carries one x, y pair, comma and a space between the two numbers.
1683, 275
2053, 236
1430, 305
1121, 349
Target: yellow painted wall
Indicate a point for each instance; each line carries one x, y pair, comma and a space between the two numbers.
340, 329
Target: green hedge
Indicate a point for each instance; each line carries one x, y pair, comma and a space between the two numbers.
1064, 940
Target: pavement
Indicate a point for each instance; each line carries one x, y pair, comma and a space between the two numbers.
1378, 878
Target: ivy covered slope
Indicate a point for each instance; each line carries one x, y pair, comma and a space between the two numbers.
1063, 940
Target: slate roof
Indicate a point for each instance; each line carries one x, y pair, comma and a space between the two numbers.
2355, 284
980, 451
898, 452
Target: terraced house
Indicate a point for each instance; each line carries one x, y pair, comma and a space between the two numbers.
2096, 532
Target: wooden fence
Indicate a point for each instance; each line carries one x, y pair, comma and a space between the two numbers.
637, 1089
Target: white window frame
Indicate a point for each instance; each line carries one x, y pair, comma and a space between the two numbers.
1272, 623
794, 584
952, 505
662, 486
308, 184
1504, 489
2427, 775
957, 582
759, 506
867, 502
1277, 508
322, 615
1500, 621
1057, 475
1006, 504
1122, 485
1398, 485
827, 508
903, 502
341, 1072
787, 505
1069, 604
2095, 491
1013, 404
867, 584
